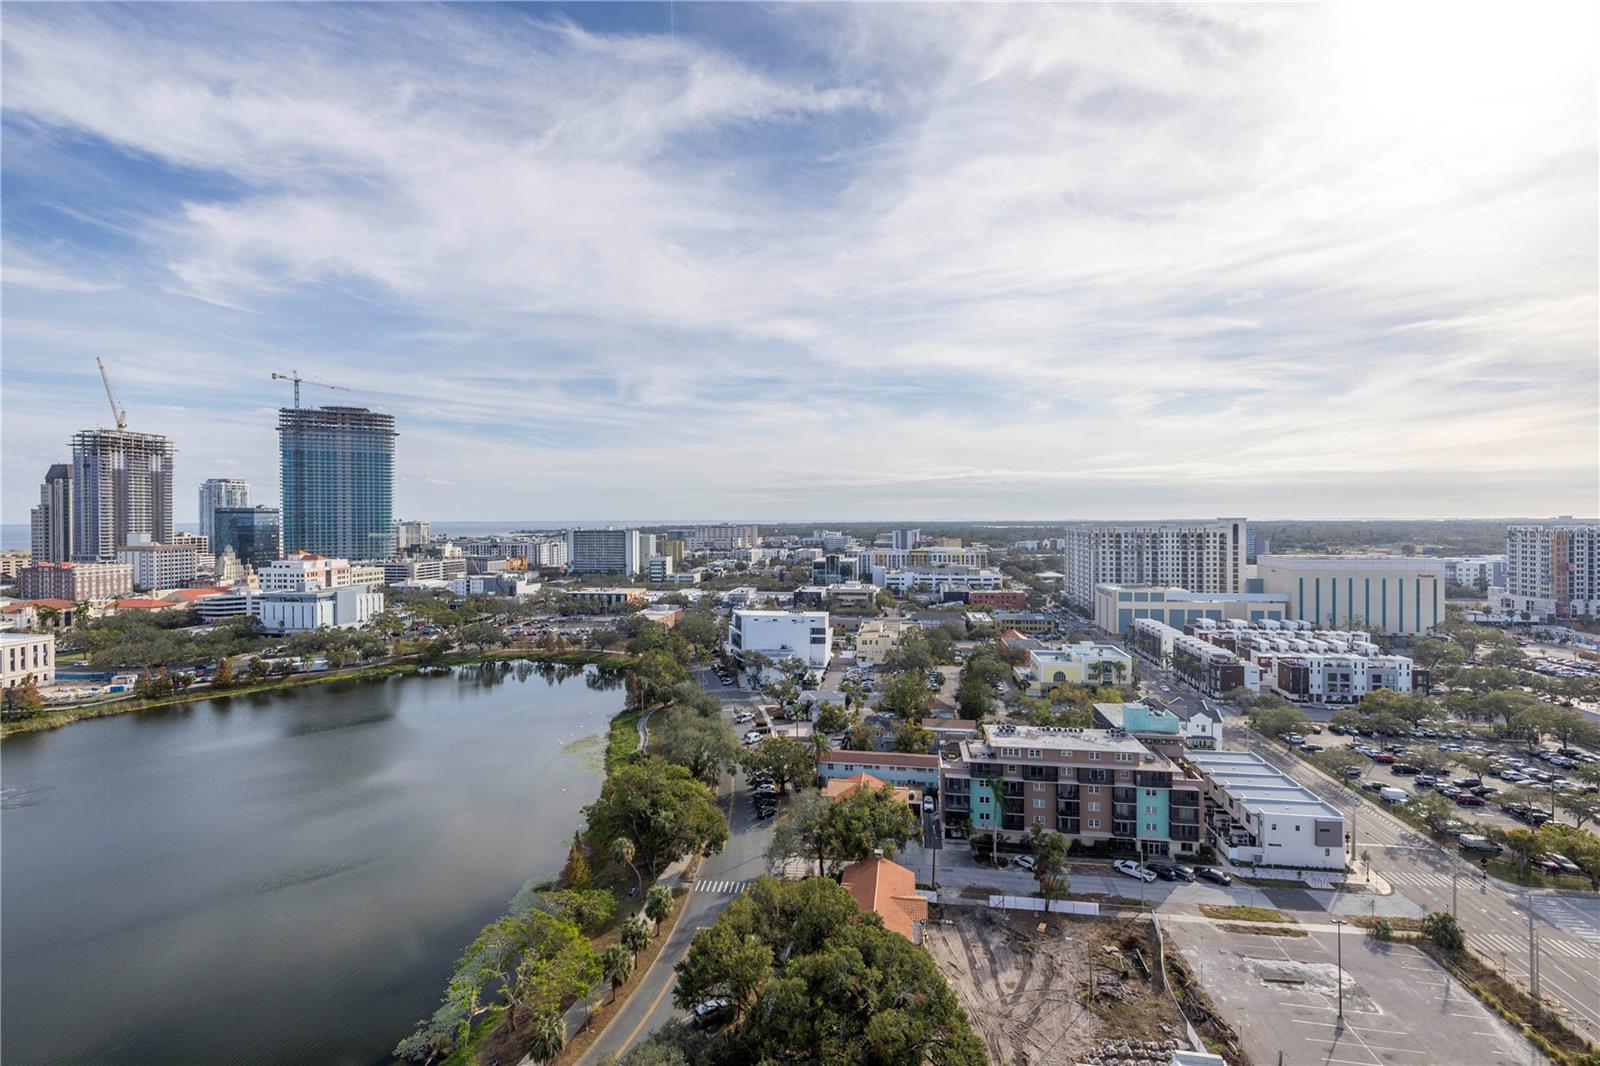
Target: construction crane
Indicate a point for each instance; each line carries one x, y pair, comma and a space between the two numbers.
294, 376
117, 413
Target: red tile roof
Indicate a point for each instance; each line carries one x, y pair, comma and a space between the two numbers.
50, 601
137, 604
888, 890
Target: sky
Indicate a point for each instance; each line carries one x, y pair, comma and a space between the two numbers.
652, 262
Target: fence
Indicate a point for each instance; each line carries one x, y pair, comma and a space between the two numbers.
1034, 903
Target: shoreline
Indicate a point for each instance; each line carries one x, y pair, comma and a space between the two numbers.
56, 718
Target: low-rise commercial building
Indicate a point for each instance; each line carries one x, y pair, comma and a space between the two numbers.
1006, 599
1085, 663
612, 599
74, 581
1028, 623
1099, 786
1257, 814
27, 656
663, 614
315, 607
780, 635
878, 637
1398, 594
1116, 607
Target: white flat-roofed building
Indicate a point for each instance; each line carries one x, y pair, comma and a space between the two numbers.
1116, 607
160, 566
780, 635
315, 607
1475, 571
419, 571
1255, 813
27, 655
927, 558
302, 569
1201, 556
938, 579
1398, 594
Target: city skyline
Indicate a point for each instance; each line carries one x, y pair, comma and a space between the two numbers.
803, 262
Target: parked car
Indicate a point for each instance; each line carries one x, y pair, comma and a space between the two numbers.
1129, 868
1352, 772
1170, 871
1214, 875
1024, 862
928, 804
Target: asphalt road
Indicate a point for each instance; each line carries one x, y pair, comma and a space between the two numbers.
721, 878
1499, 920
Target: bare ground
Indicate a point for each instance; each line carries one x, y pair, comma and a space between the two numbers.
1029, 991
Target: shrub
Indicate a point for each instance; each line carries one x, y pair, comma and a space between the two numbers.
1380, 929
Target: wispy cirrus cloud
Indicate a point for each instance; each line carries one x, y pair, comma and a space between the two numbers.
957, 260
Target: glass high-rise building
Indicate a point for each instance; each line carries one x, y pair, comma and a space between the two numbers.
254, 533
220, 492
337, 473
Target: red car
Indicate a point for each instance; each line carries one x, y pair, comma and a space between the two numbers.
1383, 757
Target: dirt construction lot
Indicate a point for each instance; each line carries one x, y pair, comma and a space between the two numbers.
1028, 991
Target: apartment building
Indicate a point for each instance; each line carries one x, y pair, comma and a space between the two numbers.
74, 581
904, 539
304, 570
878, 637
1255, 813
218, 492
723, 537
1552, 571
25, 656
50, 523
658, 569
1210, 668
159, 566
1095, 785
1085, 663
1395, 594
411, 533
903, 769
13, 561
336, 473
1198, 556
780, 635
1475, 571
1117, 606
605, 551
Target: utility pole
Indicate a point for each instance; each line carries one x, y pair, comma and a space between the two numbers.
1453, 874
1338, 939
1533, 957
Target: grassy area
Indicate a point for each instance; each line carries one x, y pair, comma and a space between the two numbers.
1543, 1028
1507, 870
1240, 913
623, 739
1399, 925
55, 718
1265, 930
467, 1053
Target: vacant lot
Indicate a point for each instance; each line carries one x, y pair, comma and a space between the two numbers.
1040, 997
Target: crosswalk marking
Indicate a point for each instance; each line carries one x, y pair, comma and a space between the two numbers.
1518, 947
1562, 947
1408, 877
1499, 941
725, 888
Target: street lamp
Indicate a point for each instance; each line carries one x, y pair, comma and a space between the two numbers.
1338, 939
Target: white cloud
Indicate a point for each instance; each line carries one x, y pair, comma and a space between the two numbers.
1059, 259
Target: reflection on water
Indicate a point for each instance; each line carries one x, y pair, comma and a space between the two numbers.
279, 877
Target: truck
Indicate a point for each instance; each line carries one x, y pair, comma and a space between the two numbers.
1477, 842
1393, 795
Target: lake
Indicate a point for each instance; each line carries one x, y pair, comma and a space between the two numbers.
285, 877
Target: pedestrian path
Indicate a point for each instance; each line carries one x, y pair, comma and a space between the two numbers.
722, 888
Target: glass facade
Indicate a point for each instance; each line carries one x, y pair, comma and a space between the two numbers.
337, 472
254, 533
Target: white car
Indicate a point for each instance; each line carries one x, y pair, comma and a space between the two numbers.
1024, 862
1132, 869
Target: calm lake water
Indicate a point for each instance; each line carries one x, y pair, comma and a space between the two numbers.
282, 878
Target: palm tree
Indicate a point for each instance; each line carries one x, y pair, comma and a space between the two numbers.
546, 1036
658, 904
623, 852
635, 935
617, 964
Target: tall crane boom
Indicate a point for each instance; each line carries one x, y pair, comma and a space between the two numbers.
294, 376
117, 413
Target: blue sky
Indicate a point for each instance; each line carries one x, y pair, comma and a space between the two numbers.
626, 261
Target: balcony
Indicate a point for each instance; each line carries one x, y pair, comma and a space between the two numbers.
1182, 833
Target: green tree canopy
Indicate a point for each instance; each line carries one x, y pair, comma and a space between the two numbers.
661, 808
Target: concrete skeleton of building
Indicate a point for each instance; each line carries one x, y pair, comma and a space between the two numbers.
337, 481
1094, 785
1397, 594
1116, 607
1552, 571
1257, 814
220, 492
782, 635
121, 487
25, 657
1201, 556
74, 581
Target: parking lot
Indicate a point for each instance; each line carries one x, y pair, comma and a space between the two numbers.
1400, 1009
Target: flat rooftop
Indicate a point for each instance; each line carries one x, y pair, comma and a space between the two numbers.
1257, 785
1058, 737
